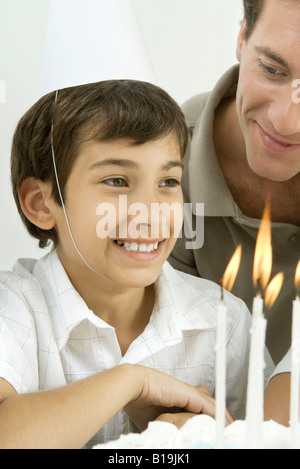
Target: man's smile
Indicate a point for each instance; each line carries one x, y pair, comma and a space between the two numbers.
275, 145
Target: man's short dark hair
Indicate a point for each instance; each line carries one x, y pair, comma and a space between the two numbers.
252, 12
115, 109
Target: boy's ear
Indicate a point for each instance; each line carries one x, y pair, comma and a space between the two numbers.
241, 40
33, 196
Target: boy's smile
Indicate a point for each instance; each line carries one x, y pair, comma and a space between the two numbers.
140, 246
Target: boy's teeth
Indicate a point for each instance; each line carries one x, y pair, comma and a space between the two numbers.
135, 247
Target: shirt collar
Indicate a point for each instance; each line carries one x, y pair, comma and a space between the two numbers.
206, 180
66, 306
178, 306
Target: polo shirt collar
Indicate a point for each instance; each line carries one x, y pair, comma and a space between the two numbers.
206, 180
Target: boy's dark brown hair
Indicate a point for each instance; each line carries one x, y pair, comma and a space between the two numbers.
116, 109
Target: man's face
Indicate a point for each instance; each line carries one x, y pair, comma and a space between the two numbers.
267, 110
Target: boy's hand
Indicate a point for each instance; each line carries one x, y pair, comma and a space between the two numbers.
180, 418
177, 419
161, 393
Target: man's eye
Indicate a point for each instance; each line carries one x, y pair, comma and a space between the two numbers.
170, 183
116, 182
270, 70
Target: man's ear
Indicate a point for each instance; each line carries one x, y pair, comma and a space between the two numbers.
241, 40
34, 197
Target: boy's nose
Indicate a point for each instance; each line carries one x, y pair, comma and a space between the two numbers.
144, 197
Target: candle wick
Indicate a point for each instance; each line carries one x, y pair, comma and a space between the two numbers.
222, 291
259, 290
259, 294
222, 295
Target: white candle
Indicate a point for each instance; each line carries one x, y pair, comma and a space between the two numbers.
294, 409
255, 392
221, 375
258, 307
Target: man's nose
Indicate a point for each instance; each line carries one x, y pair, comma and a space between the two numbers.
284, 113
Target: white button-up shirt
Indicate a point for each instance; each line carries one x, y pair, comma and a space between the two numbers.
285, 366
49, 337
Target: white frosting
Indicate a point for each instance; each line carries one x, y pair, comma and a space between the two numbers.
198, 433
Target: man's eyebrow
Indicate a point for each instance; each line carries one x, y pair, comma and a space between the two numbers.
272, 55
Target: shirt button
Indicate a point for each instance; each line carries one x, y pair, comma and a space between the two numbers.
294, 239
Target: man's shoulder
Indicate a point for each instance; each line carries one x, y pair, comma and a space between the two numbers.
226, 86
194, 107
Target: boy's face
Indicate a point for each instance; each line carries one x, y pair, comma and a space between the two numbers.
124, 243
268, 112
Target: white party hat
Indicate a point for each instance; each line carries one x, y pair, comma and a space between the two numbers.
93, 40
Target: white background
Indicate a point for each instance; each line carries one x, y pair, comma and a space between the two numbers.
190, 44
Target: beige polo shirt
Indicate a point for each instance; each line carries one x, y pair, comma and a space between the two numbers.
225, 226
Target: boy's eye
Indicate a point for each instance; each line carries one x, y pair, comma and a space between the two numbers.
116, 182
170, 183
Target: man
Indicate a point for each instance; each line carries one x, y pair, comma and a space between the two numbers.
245, 148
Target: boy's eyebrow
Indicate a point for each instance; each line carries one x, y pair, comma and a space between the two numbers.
132, 165
172, 164
114, 162
272, 55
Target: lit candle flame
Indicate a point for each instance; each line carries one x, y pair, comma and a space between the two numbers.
273, 290
263, 253
297, 281
232, 270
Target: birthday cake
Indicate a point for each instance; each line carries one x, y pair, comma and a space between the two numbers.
199, 433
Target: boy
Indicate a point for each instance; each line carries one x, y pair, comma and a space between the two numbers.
81, 328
